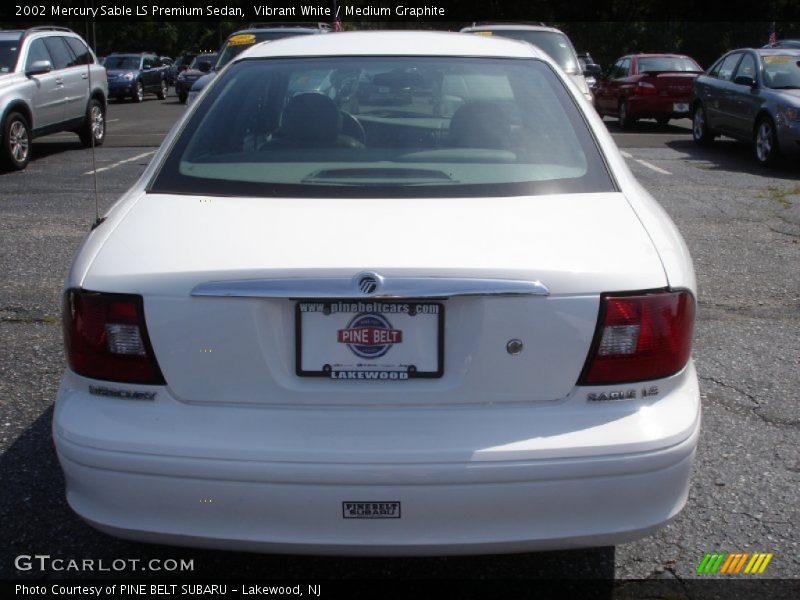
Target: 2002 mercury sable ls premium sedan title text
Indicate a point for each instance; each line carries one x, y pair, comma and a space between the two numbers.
328, 322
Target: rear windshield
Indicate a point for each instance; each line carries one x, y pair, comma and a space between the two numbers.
385, 126
554, 43
122, 62
9, 50
782, 71
667, 63
209, 58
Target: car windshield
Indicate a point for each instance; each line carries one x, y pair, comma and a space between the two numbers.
236, 44
782, 71
554, 43
209, 58
122, 62
8, 55
667, 63
382, 127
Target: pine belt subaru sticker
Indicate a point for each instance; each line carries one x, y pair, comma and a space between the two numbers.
369, 340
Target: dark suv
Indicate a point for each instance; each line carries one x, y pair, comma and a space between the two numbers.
49, 81
134, 75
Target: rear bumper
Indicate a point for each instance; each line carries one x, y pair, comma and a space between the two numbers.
657, 106
556, 488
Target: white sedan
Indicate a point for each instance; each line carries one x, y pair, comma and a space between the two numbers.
382, 293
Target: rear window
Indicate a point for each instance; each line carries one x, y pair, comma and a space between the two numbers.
209, 58
385, 126
678, 64
122, 62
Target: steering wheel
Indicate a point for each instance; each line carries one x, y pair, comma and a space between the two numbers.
353, 127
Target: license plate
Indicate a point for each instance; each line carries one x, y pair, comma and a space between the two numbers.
680, 107
369, 340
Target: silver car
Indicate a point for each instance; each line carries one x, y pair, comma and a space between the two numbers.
552, 41
752, 95
50, 81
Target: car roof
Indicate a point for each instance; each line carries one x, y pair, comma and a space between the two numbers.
776, 51
395, 43
658, 55
510, 27
294, 30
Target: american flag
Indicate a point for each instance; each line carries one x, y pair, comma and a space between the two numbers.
773, 36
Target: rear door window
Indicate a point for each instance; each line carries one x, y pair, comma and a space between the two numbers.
81, 52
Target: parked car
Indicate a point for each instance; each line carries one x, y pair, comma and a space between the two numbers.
239, 41
382, 330
752, 95
166, 64
179, 66
553, 41
134, 75
647, 86
50, 81
200, 65
590, 69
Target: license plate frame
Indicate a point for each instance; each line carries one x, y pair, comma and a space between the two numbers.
680, 107
343, 372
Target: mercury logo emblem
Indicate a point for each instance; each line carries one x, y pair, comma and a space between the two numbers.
368, 284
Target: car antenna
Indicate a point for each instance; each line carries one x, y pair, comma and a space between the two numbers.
97, 219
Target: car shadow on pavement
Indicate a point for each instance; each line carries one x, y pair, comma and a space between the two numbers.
37, 520
731, 155
650, 127
42, 148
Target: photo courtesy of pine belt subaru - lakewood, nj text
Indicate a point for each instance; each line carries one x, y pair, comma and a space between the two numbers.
370, 311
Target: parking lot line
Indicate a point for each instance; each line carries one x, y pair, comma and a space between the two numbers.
645, 163
122, 162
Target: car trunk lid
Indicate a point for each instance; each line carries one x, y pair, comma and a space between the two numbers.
243, 347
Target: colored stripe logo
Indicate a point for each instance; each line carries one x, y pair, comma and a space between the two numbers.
734, 563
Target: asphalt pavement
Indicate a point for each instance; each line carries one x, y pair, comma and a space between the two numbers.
741, 223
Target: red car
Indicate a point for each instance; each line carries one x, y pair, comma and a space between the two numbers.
647, 86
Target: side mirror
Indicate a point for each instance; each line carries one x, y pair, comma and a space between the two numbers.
592, 70
39, 67
204, 66
745, 80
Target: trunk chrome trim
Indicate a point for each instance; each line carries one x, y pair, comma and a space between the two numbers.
387, 288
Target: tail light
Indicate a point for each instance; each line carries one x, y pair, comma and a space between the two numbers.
645, 89
641, 337
106, 338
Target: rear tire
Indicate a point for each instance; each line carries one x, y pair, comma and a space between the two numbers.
701, 133
162, 91
625, 119
94, 126
767, 150
182, 97
16, 152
